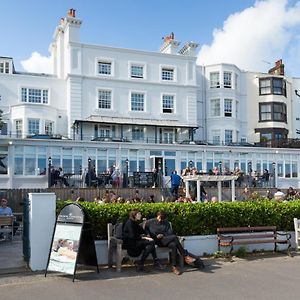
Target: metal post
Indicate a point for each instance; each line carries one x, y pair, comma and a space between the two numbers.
274, 174
159, 174
127, 176
89, 172
190, 164
220, 168
49, 171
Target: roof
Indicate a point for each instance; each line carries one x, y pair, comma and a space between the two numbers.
134, 121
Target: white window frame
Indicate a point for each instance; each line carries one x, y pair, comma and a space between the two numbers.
168, 67
26, 94
39, 126
216, 133
225, 140
111, 98
19, 127
227, 85
216, 83
211, 107
137, 133
106, 130
144, 101
106, 60
137, 64
228, 109
162, 103
49, 124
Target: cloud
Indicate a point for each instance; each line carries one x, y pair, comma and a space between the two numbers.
265, 32
37, 64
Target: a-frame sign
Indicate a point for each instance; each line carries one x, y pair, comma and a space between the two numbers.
72, 241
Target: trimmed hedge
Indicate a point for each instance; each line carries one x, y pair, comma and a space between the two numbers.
198, 218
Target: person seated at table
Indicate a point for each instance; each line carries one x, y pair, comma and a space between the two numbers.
136, 242
62, 177
5, 210
160, 230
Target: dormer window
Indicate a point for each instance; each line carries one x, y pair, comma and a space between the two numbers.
4, 67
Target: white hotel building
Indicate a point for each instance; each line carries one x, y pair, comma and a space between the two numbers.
112, 105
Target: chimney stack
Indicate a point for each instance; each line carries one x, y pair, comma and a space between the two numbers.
71, 13
278, 69
169, 46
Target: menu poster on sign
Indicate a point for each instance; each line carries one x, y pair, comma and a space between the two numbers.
64, 249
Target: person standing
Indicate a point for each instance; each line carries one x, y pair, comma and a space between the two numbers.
175, 183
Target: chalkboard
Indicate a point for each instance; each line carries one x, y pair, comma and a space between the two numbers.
143, 179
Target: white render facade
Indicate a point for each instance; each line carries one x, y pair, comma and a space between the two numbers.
112, 105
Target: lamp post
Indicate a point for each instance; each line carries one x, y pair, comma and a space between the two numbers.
159, 173
49, 171
220, 168
274, 174
190, 164
126, 177
89, 172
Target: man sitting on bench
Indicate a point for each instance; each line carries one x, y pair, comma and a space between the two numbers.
7, 211
159, 229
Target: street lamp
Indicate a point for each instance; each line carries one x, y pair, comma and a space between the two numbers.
220, 168
89, 172
126, 177
49, 171
274, 173
190, 164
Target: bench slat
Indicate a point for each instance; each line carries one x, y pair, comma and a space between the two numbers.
245, 242
249, 236
246, 229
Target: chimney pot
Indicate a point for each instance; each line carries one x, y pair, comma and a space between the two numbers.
71, 13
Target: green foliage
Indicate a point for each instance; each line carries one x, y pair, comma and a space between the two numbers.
241, 252
199, 218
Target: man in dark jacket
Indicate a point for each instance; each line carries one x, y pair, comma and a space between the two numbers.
159, 229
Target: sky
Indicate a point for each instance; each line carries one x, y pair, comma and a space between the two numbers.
251, 34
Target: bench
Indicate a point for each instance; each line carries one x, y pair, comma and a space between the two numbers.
231, 236
7, 226
116, 252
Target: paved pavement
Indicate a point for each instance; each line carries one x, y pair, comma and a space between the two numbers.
261, 277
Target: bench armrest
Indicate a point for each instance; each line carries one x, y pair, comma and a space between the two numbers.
116, 241
287, 234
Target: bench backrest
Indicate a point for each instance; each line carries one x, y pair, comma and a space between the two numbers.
6, 220
246, 229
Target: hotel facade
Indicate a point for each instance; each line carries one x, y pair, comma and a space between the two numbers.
142, 110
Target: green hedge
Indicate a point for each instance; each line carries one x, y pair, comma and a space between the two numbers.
199, 218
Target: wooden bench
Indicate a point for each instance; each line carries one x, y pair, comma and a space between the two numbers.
116, 252
7, 226
231, 236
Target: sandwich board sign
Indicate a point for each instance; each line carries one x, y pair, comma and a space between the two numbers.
72, 241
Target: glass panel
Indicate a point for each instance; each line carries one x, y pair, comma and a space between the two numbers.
142, 165
18, 166
77, 164
169, 166
280, 169
29, 166
287, 170
42, 165
101, 166
294, 170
